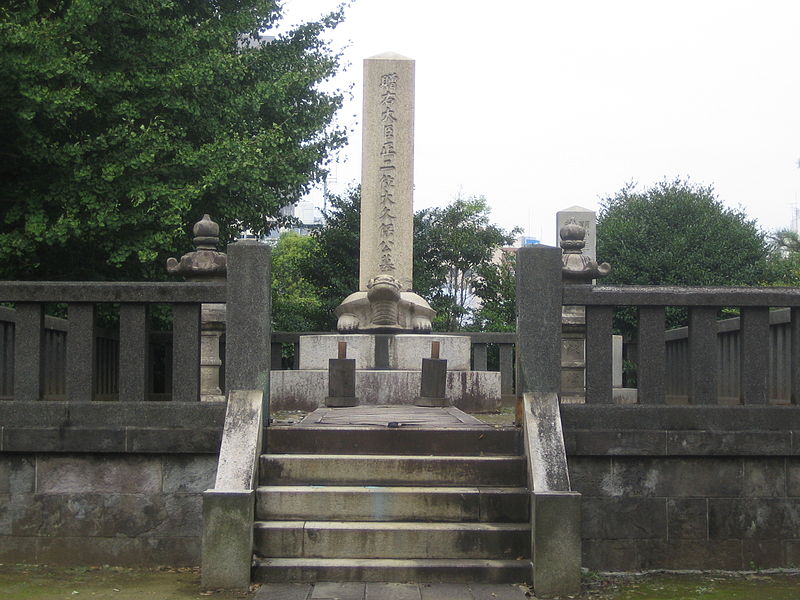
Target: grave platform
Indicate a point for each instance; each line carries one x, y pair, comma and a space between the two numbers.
471, 391
388, 371
401, 416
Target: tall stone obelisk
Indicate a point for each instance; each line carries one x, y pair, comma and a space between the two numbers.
385, 301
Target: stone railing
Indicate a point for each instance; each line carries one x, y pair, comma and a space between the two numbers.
46, 358
540, 284
729, 359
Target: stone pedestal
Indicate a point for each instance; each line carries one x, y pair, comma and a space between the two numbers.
403, 351
388, 371
212, 326
470, 391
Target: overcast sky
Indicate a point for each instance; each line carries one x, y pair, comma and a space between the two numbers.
542, 105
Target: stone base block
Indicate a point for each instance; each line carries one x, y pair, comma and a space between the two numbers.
471, 391
405, 351
431, 402
340, 401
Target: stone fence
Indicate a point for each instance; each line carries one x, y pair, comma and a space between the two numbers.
48, 358
729, 359
84, 481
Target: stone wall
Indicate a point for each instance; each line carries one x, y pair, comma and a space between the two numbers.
686, 487
105, 483
95, 509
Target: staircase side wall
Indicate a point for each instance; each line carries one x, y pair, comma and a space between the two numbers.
81, 490
676, 487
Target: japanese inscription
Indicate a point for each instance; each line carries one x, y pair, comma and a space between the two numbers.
387, 175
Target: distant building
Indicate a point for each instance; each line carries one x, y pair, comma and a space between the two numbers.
308, 215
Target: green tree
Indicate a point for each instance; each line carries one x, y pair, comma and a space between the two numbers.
784, 259
451, 245
123, 122
677, 233
297, 303
334, 270
496, 288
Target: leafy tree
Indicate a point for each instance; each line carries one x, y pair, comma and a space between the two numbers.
334, 270
123, 122
297, 303
448, 242
496, 288
677, 233
451, 245
784, 259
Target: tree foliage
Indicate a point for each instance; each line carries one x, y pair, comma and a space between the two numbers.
123, 122
496, 288
678, 233
335, 269
297, 302
453, 250
451, 245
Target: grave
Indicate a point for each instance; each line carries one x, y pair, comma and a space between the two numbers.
386, 326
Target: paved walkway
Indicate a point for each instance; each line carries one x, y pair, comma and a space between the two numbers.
391, 416
392, 591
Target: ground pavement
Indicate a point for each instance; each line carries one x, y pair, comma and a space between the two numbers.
392, 591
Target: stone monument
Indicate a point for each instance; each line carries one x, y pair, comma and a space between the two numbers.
385, 325
384, 302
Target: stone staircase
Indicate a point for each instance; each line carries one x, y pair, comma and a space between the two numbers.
392, 504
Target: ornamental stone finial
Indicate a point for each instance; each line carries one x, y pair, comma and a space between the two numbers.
576, 266
205, 262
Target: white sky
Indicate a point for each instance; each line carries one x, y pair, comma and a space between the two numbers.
540, 105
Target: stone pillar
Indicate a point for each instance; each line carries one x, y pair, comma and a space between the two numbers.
387, 170
585, 218
384, 302
578, 268
206, 264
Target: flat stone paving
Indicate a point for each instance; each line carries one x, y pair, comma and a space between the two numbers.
384, 415
391, 591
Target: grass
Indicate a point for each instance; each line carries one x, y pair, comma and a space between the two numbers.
40, 582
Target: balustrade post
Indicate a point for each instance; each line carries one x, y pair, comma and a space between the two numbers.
577, 268
134, 348
205, 263
703, 355
754, 355
539, 297
80, 375
249, 314
28, 346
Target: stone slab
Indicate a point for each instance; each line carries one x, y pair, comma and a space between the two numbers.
284, 591
392, 591
241, 441
406, 351
544, 440
556, 543
471, 391
227, 541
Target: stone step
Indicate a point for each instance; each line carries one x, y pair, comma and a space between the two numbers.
463, 441
267, 570
393, 503
347, 469
398, 540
